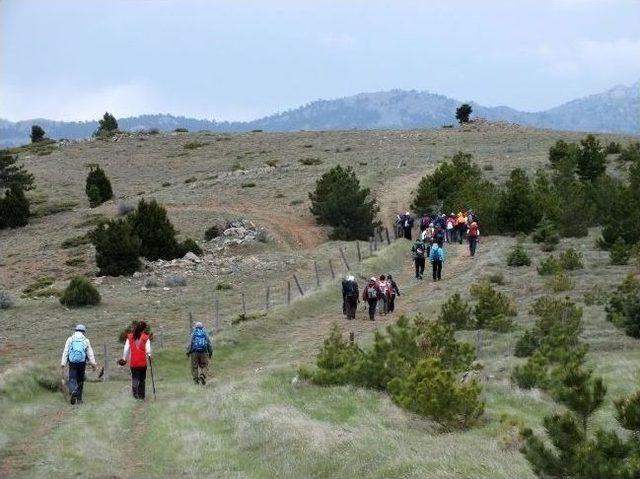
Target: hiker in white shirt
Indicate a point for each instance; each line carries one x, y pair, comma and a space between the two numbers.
77, 352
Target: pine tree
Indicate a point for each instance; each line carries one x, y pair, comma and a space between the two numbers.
563, 157
592, 160
456, 312
37, 133
117, 248
339, 201
80, 292
14, 208
517, 209
150, 223
97, 178
463, 112
107, 125
11, 174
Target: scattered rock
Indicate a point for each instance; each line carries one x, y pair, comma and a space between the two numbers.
191, 257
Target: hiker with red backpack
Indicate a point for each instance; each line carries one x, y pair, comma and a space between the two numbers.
77, 352
350, 296
200, 351
137, 348
473, 235
371, 294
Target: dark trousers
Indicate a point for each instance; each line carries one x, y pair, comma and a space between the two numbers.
392, 303
419, 267
473, 243
372, 308
351, 304
437, 270
460, 235
407, 232
76, 379
138, 378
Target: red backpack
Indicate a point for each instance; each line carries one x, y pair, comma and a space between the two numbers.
473, 230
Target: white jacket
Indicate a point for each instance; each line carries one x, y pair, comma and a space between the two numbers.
87, 347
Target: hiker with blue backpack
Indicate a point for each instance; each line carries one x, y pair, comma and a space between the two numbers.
437, 259
77, 352
200, 351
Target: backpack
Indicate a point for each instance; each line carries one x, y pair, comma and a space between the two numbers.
424, 222
351, 289
439, 235
77, 351
372, 292
199, 341
420, 252
437, 256
473, 230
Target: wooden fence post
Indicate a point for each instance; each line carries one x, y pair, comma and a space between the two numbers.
386, 232
358, 250
105, 374
295, 278
379, 229
161, 337
375, 242
244, 306
370, 245
315, 267
190, 322
351, 337
344, 259
288, 294
266, 304
217, 313
333, 273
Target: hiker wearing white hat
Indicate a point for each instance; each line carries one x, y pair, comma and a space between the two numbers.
200, 351
77, 352
350, 297
407, 225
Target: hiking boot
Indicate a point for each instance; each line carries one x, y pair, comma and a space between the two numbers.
196, 380
73, 399
203, 380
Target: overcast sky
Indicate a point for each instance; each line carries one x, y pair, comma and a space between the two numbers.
238, 60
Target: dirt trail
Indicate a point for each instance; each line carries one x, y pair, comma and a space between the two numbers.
396, 196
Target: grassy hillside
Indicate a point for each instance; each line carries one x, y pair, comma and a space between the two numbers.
253, 419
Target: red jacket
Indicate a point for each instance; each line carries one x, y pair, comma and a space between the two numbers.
371, 284
138, 352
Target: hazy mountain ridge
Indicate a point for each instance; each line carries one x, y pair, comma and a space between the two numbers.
616, 110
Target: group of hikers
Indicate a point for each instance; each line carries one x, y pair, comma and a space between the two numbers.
78, 353
435, 230
378, 293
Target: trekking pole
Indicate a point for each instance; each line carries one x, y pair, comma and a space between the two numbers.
153, 382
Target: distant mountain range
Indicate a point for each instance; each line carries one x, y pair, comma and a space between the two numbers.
614, 111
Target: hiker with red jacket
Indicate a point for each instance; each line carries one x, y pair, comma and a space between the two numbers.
371, 293
137, 348
473, 235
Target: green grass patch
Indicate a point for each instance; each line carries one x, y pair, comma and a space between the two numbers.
74, 262
75, 241
53, 208
310, 161
248, 185
192, 145
241, 318
223, 287
92, 220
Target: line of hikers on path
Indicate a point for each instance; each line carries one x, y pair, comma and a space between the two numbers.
78, 353
379, 293
435, 230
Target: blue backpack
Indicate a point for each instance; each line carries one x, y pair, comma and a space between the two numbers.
438, 255
199, 341
77, 352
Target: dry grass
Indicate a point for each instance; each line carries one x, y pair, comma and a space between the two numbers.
252, 420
